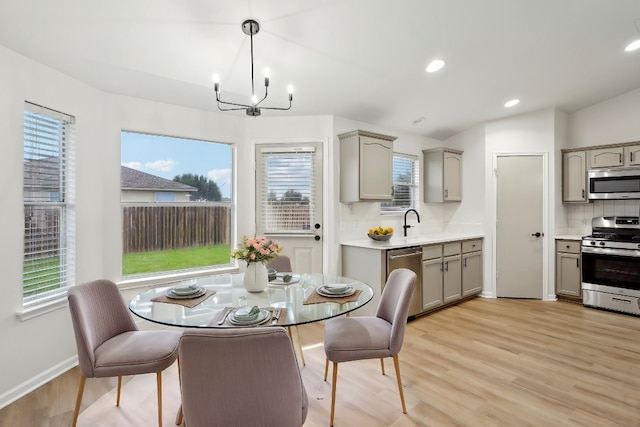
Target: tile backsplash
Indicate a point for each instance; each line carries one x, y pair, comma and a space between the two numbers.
579, 215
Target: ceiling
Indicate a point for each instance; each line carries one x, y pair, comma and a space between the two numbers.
359, 59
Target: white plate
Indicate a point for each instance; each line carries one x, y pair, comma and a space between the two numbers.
295, 278
186, 290
199, 293
336, 289
324, 293
262, 316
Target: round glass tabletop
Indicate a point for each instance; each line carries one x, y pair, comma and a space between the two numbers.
294, 303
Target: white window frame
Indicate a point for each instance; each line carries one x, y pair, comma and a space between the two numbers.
49, 259
387, 208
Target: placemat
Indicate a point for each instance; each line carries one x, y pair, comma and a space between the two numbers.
316, 298
223, 314
188, 302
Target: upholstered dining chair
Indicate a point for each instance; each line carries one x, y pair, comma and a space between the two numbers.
283, 263
109, 343
240, 377
371, 337
280, 263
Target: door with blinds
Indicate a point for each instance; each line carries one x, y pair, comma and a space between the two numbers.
289, 201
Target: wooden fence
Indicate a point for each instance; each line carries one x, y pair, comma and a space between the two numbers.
162, 227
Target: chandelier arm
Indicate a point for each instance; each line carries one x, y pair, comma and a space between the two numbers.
253, 92
278, 108
230, 109
265, 96
230, 103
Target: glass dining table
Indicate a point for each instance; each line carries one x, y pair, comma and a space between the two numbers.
290, 304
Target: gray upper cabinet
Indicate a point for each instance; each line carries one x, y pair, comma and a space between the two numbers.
574, 176
609, 157
366, 167
442, 175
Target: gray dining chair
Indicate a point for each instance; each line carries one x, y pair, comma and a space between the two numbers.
240, 377
109, 343
282, 263
372, 337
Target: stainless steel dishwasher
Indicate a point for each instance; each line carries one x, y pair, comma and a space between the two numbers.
410, 258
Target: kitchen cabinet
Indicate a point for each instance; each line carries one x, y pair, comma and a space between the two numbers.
574, 176
471, 267
609, 157
441, 275
568, 277
632, 155
366, 166
442, 175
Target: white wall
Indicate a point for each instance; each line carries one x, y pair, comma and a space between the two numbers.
612, 121
37, 348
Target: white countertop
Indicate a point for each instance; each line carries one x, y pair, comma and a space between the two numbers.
568, 237
402, 242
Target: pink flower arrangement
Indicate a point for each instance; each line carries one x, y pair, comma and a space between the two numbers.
256, 249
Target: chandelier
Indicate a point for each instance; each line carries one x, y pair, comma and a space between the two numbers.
250, 27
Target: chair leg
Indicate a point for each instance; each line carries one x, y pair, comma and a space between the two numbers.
382, 365
159, 381
179, 416
119, 389
76, 412
333, 392
326, 367
298, 342
396, 363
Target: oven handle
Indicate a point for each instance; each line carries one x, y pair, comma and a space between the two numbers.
610, 251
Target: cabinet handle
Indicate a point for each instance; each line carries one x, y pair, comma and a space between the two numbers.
631, 156
583, 193
465, 263
446, 193
620, 158
577, 263
442, 266
446, 266
568, 246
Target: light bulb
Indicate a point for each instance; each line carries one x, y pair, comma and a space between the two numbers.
267, 72
290, 89
215, 78
254, 99
435, 65
634, 45
512, 103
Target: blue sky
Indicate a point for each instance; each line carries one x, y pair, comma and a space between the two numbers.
167, 157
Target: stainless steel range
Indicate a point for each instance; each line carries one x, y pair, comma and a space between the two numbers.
611, 264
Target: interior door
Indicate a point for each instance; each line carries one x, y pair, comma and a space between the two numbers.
289, 201
519, 234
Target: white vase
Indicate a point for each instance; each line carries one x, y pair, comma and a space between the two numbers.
256, 277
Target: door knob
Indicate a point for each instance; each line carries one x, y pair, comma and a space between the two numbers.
537, 234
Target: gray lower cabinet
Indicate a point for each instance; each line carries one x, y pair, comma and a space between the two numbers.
568, 275
471, 267
441, 275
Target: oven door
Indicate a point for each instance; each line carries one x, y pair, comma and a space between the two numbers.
619, 268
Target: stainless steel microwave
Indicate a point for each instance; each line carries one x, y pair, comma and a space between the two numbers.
612, 184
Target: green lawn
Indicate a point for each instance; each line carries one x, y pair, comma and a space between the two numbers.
178, 259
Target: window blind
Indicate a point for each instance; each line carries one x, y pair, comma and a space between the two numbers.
49, 197
286, 192
405, 183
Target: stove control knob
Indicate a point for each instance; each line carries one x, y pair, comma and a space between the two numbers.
593, 243
601, 243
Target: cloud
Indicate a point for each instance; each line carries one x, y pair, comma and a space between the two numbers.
161, 165
220, 176
133, 165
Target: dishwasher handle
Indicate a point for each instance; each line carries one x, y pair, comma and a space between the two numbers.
405, 255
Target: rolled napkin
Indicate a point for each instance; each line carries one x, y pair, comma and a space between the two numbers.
246, 313
336, 289
185, 289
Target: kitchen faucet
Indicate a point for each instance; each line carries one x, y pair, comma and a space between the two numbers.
405, 226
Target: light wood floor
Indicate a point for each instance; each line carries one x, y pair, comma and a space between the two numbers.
484, 362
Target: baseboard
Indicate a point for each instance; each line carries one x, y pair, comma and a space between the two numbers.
33, 383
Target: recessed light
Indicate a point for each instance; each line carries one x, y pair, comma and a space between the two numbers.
634, 45
435, 65
512, 103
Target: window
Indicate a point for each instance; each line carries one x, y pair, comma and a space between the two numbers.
176, 204
287, 194
405, 184
49, 198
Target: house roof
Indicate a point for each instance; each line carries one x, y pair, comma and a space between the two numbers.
132, 179
363, 60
